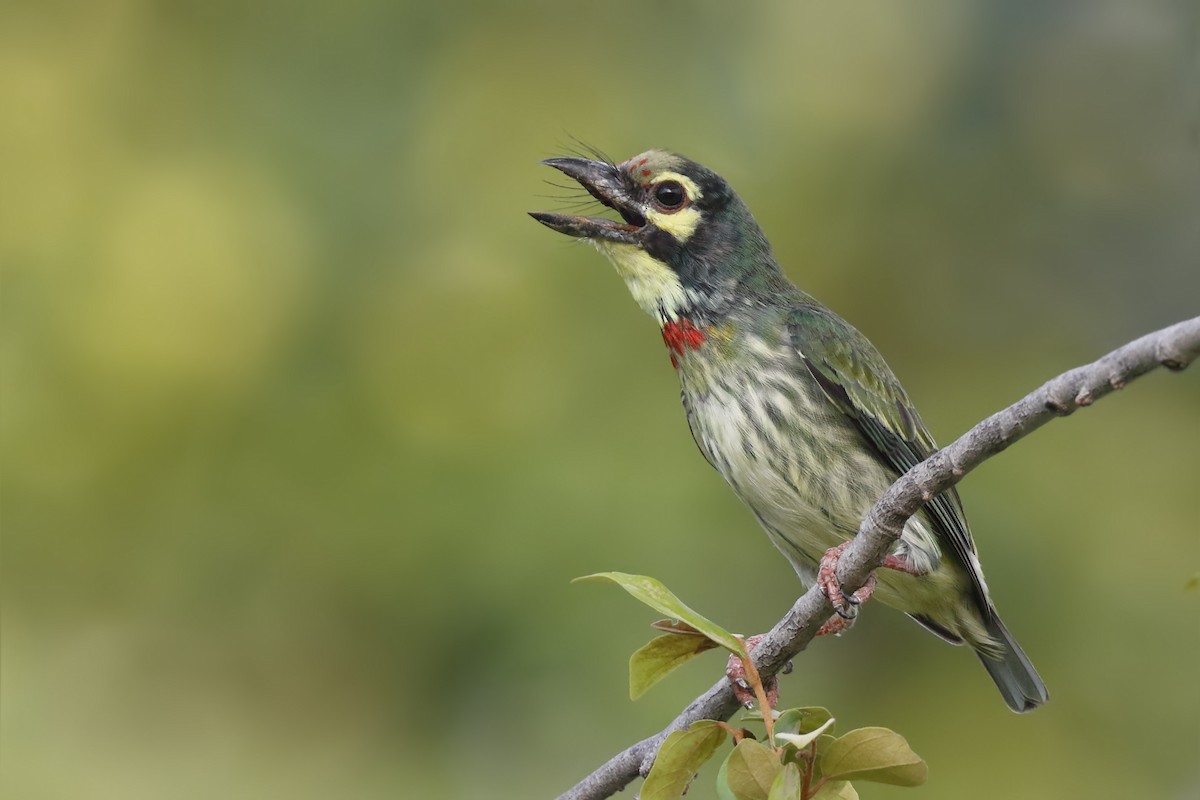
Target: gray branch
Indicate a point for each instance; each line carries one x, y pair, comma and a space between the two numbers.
1174, 347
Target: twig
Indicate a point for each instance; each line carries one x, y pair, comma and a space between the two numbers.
1174, 347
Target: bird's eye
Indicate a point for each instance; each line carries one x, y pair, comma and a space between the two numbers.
669, 195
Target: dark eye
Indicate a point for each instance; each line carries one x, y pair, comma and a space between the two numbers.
669, 194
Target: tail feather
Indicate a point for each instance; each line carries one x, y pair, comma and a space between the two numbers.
1015, 677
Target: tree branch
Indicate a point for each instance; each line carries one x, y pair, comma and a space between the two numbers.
1174, 347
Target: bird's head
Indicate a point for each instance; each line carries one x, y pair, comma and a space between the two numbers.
684, 240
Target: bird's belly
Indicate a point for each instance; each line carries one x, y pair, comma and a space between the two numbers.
788, 454
799, 464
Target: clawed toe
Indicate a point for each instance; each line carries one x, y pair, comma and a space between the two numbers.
835, 625
864, 592
828, 581
742, 689
845, 605
735, 671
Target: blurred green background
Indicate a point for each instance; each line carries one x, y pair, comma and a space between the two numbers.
306, 426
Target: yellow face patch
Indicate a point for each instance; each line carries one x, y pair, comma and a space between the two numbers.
654, 285
680, 224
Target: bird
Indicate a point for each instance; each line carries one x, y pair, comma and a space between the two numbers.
794, 407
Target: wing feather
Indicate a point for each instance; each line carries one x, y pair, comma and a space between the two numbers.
859, 382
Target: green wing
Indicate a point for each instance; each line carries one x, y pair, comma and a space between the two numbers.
859, 382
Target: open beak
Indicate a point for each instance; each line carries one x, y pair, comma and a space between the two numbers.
607, 184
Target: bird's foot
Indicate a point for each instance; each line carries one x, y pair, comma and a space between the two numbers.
742, 690
840, 622
900, 564
835, 625
828, 581
845, 606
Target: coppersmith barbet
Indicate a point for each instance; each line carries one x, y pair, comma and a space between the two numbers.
794, 407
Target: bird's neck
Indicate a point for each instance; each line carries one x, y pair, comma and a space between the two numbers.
681, 335
701, 339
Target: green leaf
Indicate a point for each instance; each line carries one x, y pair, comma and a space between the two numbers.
874, 754
802, 720
751, 769
1193, 583
836, 790
787, 785
659, 597
802, 740
680, 756
658, 657
675, 626
723, 790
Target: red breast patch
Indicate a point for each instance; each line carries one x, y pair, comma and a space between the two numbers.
679, 335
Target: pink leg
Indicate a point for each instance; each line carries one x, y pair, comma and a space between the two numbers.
742, 688
834, 625
827, 577
827, 580
839, 622
847, 611
899, 565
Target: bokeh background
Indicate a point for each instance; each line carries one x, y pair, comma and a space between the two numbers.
306, 426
